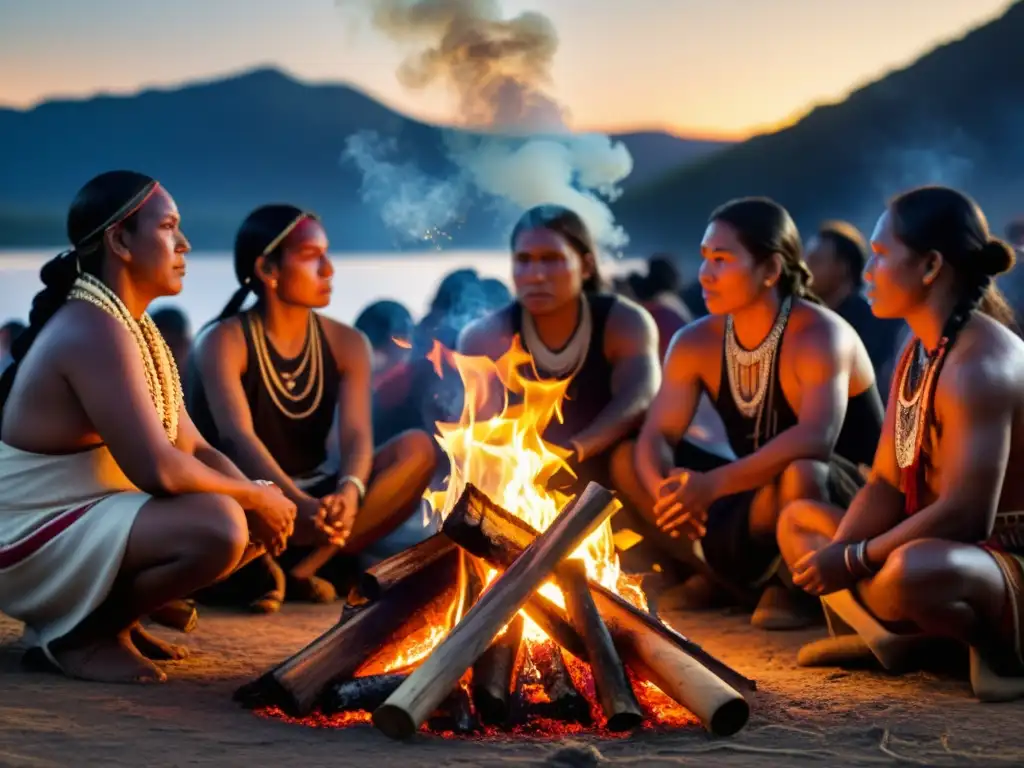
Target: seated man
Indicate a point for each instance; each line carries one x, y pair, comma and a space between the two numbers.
111, 504
795, 391
604, 346
269, 385
932, 544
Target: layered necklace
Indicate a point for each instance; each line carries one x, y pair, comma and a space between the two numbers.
750, 370
568, 360
162, 378
912, 402
283, 385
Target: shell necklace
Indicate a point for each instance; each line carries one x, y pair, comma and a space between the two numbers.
567, 361
911, 404
162, 378
743, 365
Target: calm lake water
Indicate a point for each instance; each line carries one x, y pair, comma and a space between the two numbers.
359, 279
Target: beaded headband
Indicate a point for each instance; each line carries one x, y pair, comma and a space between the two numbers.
134, 203
281, 236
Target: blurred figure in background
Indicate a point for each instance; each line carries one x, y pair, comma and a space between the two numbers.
658, 293
388, 325
1015, 234
177, 331
836, 257
496, 294
9, 333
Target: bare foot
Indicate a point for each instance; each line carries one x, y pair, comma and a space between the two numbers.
112, 660
152, 647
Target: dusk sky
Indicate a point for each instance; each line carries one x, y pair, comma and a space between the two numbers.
708, 67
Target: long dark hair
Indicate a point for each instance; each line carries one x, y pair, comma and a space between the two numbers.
942, 219
107, 200
765, 228
262, 234
568, 224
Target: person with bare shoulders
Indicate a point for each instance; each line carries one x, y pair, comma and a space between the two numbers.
269, 385
111, 503
796, 393
932, 545
605, 344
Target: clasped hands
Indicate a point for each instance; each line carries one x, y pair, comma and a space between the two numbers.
681, 507
329, 519
836, 566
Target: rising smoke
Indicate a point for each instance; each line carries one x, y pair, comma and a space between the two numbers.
498, 69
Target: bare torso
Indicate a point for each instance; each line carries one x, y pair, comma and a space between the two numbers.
984, 345
43, 414
706, 337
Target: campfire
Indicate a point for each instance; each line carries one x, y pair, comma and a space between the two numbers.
515, 616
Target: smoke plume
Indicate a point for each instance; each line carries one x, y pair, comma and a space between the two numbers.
499, 70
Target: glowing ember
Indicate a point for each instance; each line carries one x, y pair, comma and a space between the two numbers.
497, 446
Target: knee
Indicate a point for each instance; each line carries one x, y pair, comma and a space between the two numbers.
795, 519
910, 579
417, 453
219, 534
801, 524
803, 479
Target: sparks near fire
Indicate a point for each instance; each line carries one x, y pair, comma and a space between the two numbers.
517, 615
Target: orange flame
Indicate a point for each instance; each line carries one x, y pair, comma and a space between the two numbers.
498, 447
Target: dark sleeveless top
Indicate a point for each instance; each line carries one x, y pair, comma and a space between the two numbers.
857, 439
591, 388
299, 446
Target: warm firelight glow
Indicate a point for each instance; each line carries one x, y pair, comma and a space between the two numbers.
497, 446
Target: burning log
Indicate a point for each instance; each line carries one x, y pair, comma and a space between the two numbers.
618, 701
408, 707
555, 624
455, 714
385, 574
493, 675
360, 693
690, 675
296, 683
565, 702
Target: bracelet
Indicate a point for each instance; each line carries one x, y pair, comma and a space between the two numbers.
862, 557
856, 558
356, 482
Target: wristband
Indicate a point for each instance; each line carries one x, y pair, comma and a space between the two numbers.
856, 558
359, 486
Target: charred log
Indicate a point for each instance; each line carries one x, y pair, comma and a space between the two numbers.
360, 693
494, 673
408, 707
295, 684
385, 574
621, 709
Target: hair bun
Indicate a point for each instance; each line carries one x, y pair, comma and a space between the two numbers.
996, 257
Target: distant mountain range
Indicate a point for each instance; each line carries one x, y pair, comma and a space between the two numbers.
226, 146
222, 147
956, 116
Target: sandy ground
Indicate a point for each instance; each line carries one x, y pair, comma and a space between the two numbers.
798, 716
